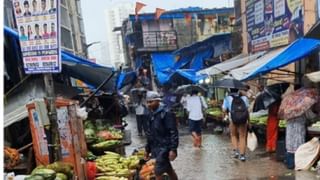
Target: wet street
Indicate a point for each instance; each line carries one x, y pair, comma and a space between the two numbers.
214, 160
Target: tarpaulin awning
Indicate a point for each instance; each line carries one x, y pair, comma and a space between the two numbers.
167, 70
198, 60
296, 51
230, 64
30, 89
241, 72
209, 43
314, 76
191, 75
80, 68
126, 78
163, 66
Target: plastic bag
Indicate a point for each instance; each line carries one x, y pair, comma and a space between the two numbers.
307, 154
252, 141
82, 113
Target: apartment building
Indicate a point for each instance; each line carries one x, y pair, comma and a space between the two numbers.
114, 18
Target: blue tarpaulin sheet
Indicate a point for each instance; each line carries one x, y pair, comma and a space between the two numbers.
296, 51
165, 69
208, 43
163, 64
126, 78
199, 58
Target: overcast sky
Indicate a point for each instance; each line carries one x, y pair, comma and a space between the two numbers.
94, 19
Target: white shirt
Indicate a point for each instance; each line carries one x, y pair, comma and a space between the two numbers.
183, 101
194, 106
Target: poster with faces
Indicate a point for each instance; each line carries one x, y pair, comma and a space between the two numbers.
39, 34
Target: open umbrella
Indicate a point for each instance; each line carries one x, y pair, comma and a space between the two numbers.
137, 93
297, 103
229, 83
269, 95
189, 88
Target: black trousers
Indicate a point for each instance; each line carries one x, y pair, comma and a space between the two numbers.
142, 123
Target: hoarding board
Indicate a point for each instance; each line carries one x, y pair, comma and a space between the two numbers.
273, 23
39, 35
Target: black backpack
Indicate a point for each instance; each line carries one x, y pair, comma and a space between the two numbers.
239, 111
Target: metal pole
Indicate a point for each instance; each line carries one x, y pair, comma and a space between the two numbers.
54, 140
100, 86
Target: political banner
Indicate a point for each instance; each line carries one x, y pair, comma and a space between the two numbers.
39, 35
273, 23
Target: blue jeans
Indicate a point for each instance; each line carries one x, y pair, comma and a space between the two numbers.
290, 160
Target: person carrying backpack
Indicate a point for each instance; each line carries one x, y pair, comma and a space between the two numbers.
162, 137
236, 107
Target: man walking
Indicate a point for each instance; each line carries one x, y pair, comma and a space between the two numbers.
194, 106
236, 106
162, 137
141, 114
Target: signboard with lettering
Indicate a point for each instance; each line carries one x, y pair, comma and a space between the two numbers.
39, 34
273, 23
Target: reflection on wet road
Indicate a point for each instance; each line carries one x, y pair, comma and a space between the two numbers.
214, 160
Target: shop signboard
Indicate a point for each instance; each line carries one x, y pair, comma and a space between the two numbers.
273, 23
39, 35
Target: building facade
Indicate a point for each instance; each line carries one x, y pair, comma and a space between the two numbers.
73, 37
114, 18
175, 29
267, 25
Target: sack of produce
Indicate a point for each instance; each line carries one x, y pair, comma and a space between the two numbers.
307, 154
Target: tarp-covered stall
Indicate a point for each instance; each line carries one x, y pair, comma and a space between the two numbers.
294, 52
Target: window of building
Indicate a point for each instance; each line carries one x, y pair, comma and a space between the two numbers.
81, 25
75, 42
65, 20
66, 39
78, 7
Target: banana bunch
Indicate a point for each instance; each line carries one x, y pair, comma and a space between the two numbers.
112, 164
117, 134
140, 153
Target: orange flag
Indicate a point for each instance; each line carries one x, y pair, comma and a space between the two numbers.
139, 6
159, 11
188, 18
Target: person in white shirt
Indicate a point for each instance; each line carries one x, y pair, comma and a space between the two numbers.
194, 106
183, 102
141, 114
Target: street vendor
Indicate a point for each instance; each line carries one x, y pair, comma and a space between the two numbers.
162, 137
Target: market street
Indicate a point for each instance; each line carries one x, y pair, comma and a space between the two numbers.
214, 160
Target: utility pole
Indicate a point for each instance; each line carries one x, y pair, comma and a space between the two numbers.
54, 139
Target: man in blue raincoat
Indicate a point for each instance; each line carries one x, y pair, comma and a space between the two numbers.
162, 136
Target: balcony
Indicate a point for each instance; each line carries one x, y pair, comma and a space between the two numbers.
154, 40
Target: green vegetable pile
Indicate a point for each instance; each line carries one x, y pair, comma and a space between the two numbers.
54, 171
101, 137
214, 111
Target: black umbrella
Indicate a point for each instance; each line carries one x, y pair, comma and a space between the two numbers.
269, 95
229, 83
189, 88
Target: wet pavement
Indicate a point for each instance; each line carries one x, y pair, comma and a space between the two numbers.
214, 160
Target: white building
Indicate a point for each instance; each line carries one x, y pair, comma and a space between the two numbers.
114, 18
